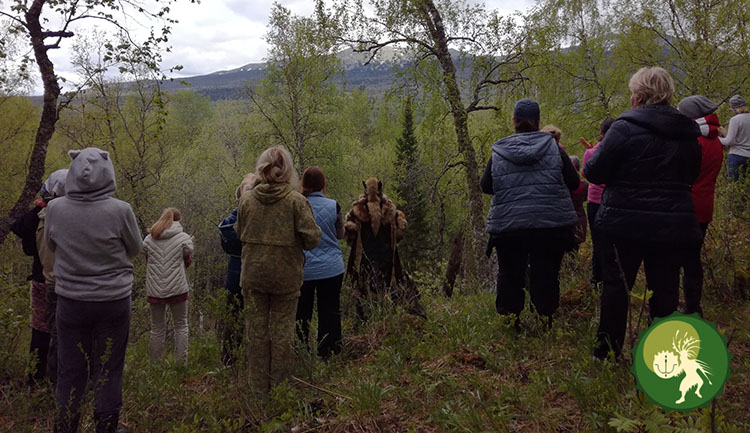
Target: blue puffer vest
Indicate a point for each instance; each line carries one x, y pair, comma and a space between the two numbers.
326, 260
528, 186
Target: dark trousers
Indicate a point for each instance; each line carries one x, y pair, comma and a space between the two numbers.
541, 256
620, 264
52, 326
329, 313
233, 327
95, 331
692, 282
596, 243
39, 350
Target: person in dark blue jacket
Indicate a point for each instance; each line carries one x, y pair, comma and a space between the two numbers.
232, 246
531, 217
648, 160
324, 268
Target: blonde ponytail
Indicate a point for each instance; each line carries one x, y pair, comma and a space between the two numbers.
164, 222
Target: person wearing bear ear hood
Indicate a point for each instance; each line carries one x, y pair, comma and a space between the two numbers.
93, 237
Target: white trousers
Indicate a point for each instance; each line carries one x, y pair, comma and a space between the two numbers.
159, 330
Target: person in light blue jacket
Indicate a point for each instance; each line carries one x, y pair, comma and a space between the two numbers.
324, 268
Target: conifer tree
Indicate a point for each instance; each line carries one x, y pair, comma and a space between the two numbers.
413, 247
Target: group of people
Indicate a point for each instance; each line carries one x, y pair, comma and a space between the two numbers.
650, 200
283, 251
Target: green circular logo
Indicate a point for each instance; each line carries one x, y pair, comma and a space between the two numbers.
681, 362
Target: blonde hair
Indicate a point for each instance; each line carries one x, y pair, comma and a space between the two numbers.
554, 131
248, 183
164, 222
275, 165
651, 86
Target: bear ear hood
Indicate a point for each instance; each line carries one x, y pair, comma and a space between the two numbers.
91, 175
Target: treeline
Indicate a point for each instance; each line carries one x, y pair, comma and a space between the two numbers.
427, 138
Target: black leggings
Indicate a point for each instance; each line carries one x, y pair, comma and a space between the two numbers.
542, 256
620, 264
329, 313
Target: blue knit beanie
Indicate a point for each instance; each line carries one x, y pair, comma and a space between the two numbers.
526, 109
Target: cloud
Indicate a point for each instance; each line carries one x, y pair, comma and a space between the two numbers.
222, 34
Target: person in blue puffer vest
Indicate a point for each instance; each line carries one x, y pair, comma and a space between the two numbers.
324, 268
531, 217
232, 246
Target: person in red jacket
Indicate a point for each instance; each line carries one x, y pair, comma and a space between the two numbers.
702, 110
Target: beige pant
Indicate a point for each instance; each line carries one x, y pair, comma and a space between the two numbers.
271, 330
159, 330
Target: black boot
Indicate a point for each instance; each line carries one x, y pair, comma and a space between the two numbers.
67, 424
108, 424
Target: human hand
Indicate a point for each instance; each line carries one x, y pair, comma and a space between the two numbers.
722, 131
188, 260
586, 144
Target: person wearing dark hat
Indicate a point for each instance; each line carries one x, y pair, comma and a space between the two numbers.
702, 110
531, 218
737, 138
648, 160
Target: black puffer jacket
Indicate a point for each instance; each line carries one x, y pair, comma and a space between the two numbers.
648, 160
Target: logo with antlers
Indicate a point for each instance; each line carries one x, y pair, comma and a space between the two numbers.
681, 362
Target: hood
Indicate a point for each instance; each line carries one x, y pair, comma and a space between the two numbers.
229, 221
697, 106
54, 186
524, 148
268, 193
174, 229
662, 120
91, 176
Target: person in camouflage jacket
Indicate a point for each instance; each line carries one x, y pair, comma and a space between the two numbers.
275, 224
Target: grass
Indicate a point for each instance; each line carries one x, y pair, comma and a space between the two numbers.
465, 370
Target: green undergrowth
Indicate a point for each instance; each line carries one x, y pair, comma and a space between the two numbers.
465, 369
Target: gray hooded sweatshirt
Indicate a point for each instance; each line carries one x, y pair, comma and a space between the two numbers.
92, 234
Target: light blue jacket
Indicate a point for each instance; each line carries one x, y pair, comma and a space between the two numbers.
326, 260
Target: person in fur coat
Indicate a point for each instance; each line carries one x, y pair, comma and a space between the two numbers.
373, 228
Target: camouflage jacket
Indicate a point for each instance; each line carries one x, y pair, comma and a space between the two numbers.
275, 224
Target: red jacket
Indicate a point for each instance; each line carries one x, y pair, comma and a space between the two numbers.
712, 157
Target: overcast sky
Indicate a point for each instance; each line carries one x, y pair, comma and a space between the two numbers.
224, 34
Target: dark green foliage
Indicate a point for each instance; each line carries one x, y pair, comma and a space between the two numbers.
413, 199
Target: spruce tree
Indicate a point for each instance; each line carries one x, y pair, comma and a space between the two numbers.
411, 192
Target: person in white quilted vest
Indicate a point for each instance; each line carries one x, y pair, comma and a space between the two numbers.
169, 251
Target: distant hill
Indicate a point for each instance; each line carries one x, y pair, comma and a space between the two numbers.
230, 84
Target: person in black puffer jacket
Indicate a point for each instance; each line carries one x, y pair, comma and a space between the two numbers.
648, 160
531, 218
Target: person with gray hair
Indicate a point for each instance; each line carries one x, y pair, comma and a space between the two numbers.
25, 228
737, 138
53, 188
648, 159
